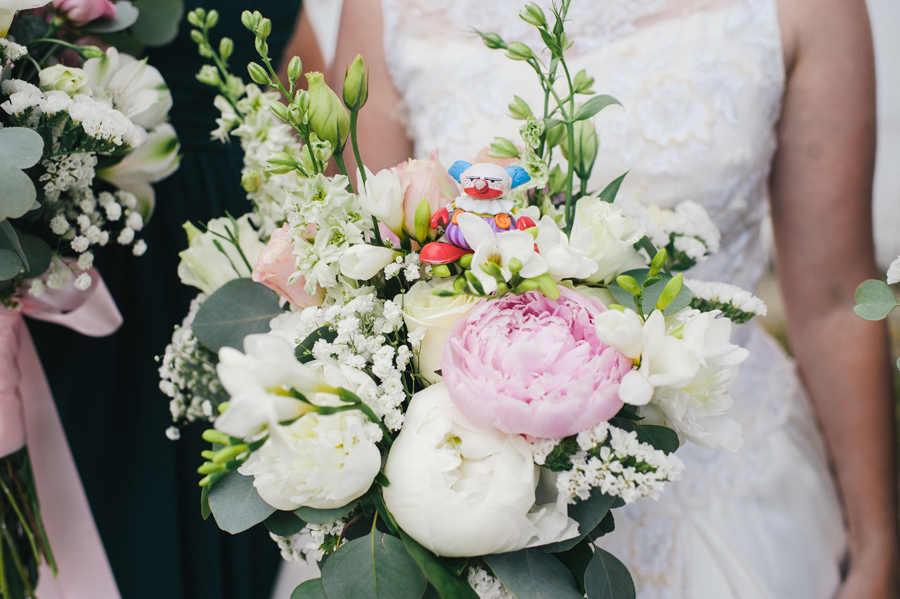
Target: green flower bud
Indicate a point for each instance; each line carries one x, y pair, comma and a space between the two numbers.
618, 307
327, 117
474, 283
295, 68
629, 284
226, 454
555, 134
251, 181
582, 83
548, 287
209, 75
211, 435
533, 15
670, 292
465, 261
280, 111
88, 52
258, 74
210, 467
519, 109
212, 19
262, 47
492, 41
492, 269
441, 270
586, 145
356, 84
422, 220
265, 28
197, 36
251, 20
226, 48
515, 265
519, 51
234, 86
658, 261
459, 284
192, 231
196, 17
281, 159
301, 100
503, 148
295, 116
207, 454
526, 286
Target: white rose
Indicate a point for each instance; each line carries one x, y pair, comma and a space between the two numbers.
363, 261
436, 315
613, 236
207, 268
460, 490
70, 80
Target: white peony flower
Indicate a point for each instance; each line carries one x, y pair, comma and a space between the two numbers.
205, 267
564, 260
363, 261
613, 236
135, 89
499, 249
383, 198
460, 490
893, 273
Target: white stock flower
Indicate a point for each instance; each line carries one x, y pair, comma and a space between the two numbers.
363, 261
205, 267
613, 236
135, 88
434, 316
893, 273
383, 198
499, 249
565, 260
460, 490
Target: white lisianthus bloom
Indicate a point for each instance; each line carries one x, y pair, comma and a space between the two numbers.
135, 88
152, 161
613, 236
258, 381
207, 268
565, 260
383, 198
363, 261
893, 273
59, 77
461, 490
434, 316
8, 9
499, 249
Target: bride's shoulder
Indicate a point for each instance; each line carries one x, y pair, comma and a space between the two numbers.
814, 29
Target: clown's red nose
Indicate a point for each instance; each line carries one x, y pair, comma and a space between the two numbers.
480, 185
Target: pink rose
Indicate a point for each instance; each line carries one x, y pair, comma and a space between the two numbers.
276, 264
424, 178
534, 366
82, 12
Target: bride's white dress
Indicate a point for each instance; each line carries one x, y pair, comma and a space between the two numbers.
701, 82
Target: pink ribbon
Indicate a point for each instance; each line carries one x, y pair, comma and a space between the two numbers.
28, 415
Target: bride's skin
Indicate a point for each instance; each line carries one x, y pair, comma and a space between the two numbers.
821, 205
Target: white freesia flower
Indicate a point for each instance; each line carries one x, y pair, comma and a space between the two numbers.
499, 249
383, 198
153, 161
564, 259
135, 88
893, 273
8, 10
434, 316
622, 330
207, 268
363, 261
613, 236
258, 380
460, 490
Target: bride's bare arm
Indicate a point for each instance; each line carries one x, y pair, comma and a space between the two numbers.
382, 136
821, 202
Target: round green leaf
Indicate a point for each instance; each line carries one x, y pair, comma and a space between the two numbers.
284, 524
311, 589
10, 265
314, 516
157, 24
126, 15
533, 574
607, 578
38, 254
588, 514
375, 566
239, 308
20, 147
874, 300
235, 503
18, 194
660, 437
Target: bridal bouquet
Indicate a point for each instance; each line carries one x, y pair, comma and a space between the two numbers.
82, 138
441, 381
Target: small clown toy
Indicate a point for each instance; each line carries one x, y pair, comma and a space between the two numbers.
483, 185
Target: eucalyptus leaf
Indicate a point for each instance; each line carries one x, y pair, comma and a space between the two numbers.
304, 350
651, 293
593, 106
588, 514
126, 15
157, 23
9, 240
445, 583
609, 192
660, 437
10, 265
38, 255
27, 27
577, 559
18, 194
375, 566
20, 147
874, 300
311, 589
238, 308
284, 524
531, 574
314, 516
607, 578
235, 503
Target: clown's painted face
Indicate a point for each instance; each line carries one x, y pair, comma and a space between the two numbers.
485, 181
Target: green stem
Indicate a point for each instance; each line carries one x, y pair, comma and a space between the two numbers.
339, 161
7, 536
22, 520
354, 116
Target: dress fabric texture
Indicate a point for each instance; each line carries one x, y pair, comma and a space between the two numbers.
142, 487
701, 83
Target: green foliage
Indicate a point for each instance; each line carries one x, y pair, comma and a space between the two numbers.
19, 194
157, 23
284, 524
311, 589
20, 147
376, 566
650, 293
532, 574
126, 16
447, 584
874, 300
577, 559
38, 255
609, 192
660, 437
235, 503
607, 578
593, 106
588, 514
558, 459
314, 516
239, 308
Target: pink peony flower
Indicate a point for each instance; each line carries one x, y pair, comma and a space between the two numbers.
534, 366
424, 178
276, 264
82, 12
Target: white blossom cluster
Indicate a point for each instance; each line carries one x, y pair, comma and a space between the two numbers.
365, 328
60, 274
486, 586
617, 463
309, 546
11, 51
409, 265
261, 135
735, 303
325, 220
687, 232
188, 375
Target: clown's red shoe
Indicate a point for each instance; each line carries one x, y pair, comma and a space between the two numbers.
441, 253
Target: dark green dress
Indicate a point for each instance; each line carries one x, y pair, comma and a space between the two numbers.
143, 487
